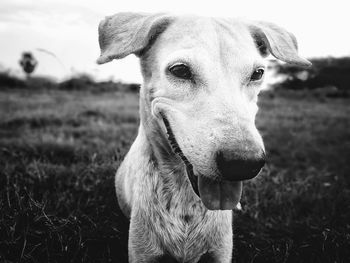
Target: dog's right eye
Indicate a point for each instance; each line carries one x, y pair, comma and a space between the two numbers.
257, 74
181, 71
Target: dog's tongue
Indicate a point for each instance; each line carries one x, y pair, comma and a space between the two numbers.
219, 195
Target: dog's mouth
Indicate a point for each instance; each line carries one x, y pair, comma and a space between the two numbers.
215, 194
176, 148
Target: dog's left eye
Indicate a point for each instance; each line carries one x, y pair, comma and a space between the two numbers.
181, 71
257, 74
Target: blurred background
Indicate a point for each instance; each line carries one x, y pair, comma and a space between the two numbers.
63, 34
66, 123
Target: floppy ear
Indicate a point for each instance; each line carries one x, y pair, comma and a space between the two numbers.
129, 33
279, 42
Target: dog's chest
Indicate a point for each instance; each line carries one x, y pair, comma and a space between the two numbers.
183, 226
177, 218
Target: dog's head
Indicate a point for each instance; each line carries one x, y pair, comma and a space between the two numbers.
202, 77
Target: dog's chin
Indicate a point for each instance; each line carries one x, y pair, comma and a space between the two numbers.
215, 194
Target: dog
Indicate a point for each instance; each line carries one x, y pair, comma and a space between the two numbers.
197, 139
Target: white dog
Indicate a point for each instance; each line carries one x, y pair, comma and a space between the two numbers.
197, 139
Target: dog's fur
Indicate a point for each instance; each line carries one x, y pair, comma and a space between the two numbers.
215, 112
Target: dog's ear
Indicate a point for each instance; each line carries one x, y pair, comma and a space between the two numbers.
129, 33
273, 39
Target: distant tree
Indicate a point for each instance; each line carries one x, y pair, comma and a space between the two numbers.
326, 72
28, 63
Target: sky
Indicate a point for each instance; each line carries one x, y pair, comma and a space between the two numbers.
62, 34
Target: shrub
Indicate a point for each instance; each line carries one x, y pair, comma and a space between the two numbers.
8, 81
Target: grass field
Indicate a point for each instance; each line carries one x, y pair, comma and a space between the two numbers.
59, 151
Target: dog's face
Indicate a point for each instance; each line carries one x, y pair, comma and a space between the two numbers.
202, 77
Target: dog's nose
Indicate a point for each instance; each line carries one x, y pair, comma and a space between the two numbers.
234, 167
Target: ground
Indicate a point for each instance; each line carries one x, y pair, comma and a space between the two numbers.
59, 151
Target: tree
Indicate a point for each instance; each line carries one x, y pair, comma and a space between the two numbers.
28, 63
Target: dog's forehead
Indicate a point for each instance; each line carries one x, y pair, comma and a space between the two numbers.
196, 29
206, 29
218, 36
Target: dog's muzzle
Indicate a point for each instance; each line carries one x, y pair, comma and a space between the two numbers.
223, 192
